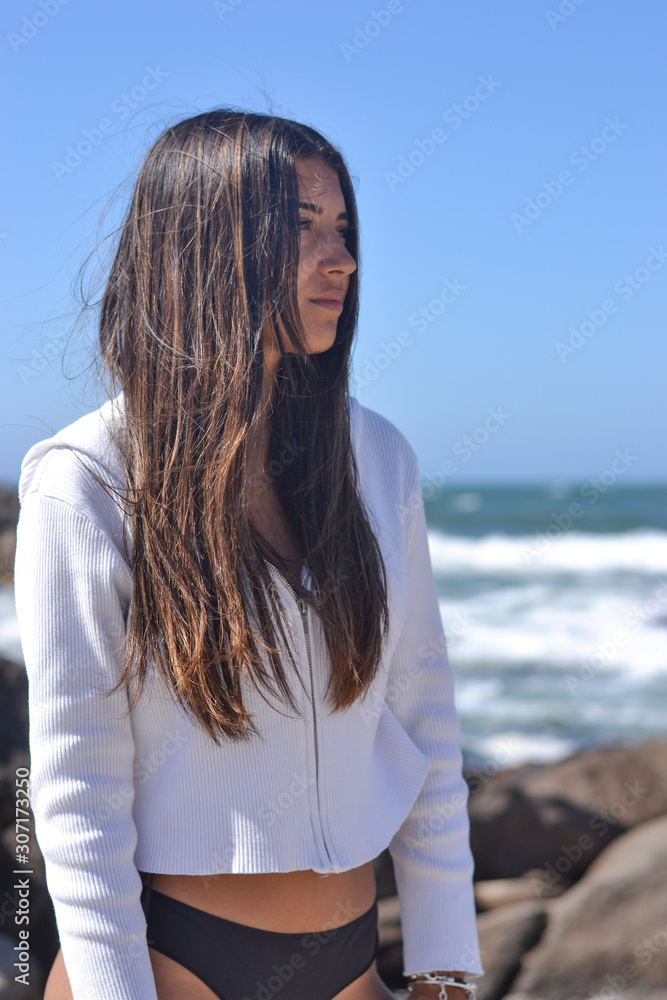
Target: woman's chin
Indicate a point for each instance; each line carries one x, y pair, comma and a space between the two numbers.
322, 341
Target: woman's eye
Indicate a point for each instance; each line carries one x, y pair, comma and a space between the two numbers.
345, 232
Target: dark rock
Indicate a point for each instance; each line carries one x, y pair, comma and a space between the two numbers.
9, 513
512, 831
13, 709
13, 734
9, 507
7, 554
559, 817
390, 948
14, 754
627, 783
608, 934
504, 935
385, 881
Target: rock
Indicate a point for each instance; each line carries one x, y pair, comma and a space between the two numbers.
607, 935
7, 554
390, 948
512, 831
559, 817
9, 513
9, 506
13, 733
627, 783
14, 753
389, 920
495, 892
504, 935
13, 708
385, 881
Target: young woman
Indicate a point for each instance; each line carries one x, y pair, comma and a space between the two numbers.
232, 522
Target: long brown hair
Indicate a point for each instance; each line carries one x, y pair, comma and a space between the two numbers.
207, 257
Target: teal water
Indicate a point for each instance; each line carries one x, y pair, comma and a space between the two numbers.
554, 604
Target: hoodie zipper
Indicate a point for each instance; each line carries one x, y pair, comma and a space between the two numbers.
304, 619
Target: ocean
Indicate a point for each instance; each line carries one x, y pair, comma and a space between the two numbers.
554, 604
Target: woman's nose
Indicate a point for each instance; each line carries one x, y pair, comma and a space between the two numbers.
334, 257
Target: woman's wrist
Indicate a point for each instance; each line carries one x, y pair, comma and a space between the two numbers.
455, 974
422, 989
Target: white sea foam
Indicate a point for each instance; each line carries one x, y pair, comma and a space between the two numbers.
557, 625
643, 550
513, 748
10, 642
561, 652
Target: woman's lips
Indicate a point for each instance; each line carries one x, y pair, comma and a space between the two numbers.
332, 304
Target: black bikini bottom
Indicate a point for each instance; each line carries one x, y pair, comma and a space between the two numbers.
240, 962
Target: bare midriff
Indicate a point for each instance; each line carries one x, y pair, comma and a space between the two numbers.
292, 902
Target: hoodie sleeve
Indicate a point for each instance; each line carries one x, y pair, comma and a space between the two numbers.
68, 578
431, 852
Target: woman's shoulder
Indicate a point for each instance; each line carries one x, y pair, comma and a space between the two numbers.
382, 449
376, 434
65, 465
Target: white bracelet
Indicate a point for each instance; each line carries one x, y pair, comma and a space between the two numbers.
442, 981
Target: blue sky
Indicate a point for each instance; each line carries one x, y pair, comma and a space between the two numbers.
509, 161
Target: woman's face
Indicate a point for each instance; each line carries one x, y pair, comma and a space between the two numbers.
325, 265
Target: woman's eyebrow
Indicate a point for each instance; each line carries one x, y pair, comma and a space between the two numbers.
311, 207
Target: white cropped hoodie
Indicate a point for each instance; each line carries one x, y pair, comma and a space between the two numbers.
114, 794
